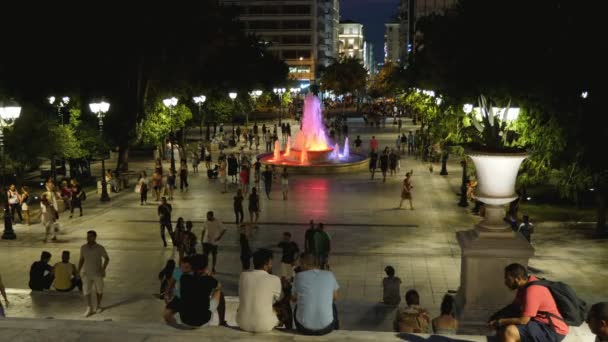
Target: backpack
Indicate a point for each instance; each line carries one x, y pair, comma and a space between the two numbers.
570, 306
412, 320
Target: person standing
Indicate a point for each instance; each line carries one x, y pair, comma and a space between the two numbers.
285, 183
238, 207
398, 143
322, 246
267, 176
211, 236
164, 215
183, 175
171, 183
526, 228
410, 143
25, 204
157, 183
223, 174
373, 162
48, 217
258, 291
244, 178
373, 143
393, 158
384, 164
309, 238
358, 143
142, 183
290, 250
257, 167
66, 275
3, 292
92, 267
14, 200
406, 190
403, 143
77, 196
254, 206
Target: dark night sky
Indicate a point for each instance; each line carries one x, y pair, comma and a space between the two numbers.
373, 14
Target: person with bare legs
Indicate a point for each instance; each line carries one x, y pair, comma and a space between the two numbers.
92, 270
406, 191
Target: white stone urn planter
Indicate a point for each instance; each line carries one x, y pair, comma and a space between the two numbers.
496, 176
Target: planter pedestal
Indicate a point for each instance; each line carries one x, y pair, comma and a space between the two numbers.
492, 245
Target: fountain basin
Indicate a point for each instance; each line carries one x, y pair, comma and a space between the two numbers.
355, 163
314, 157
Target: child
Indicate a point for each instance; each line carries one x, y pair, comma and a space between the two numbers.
390, 287
290, 250
165, 275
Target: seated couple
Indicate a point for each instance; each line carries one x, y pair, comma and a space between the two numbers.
262, 298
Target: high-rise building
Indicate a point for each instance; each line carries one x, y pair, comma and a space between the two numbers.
369, 58
304, 33
392, 43
351, 40
410, 11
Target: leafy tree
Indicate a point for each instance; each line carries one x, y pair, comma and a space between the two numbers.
345, 76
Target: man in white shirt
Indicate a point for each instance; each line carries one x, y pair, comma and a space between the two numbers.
258, 291
212, 234
92, 271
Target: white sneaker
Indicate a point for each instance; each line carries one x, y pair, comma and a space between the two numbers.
88, 313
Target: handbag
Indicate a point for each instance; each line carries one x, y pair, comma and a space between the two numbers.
137, 188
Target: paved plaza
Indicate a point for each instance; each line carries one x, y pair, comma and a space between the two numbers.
368, 232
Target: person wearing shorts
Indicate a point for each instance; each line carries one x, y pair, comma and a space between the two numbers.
92, 268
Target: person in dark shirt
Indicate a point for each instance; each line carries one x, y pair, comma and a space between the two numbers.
290, 250
358, 144
245, 248
373, 162
384, 164
238, 206
200, 297
267, 175
41, 273
309, 238
164, 215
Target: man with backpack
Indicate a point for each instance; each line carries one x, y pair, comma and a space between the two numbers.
539, 318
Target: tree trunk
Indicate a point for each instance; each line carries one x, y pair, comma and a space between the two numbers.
122, 162
602, 211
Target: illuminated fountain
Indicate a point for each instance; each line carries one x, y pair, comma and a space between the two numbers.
311, 147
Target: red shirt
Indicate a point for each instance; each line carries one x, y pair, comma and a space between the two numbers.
535, 298
373, 144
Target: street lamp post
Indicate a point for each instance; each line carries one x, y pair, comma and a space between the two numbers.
279, 92
254, 95
170, 103
9, 112
101, 108
233, 96
200, 100
59, 103
467, 109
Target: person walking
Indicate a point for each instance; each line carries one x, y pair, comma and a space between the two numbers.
223, 169
244, 178
157, 183
164, 215
142, 183
358, 143
406, 190
393, 159
48, 217
77, 197
238, 207
183, 175
267, 176
92, 267
254, 206
211, 236
233, 166
373, 144
284, 183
